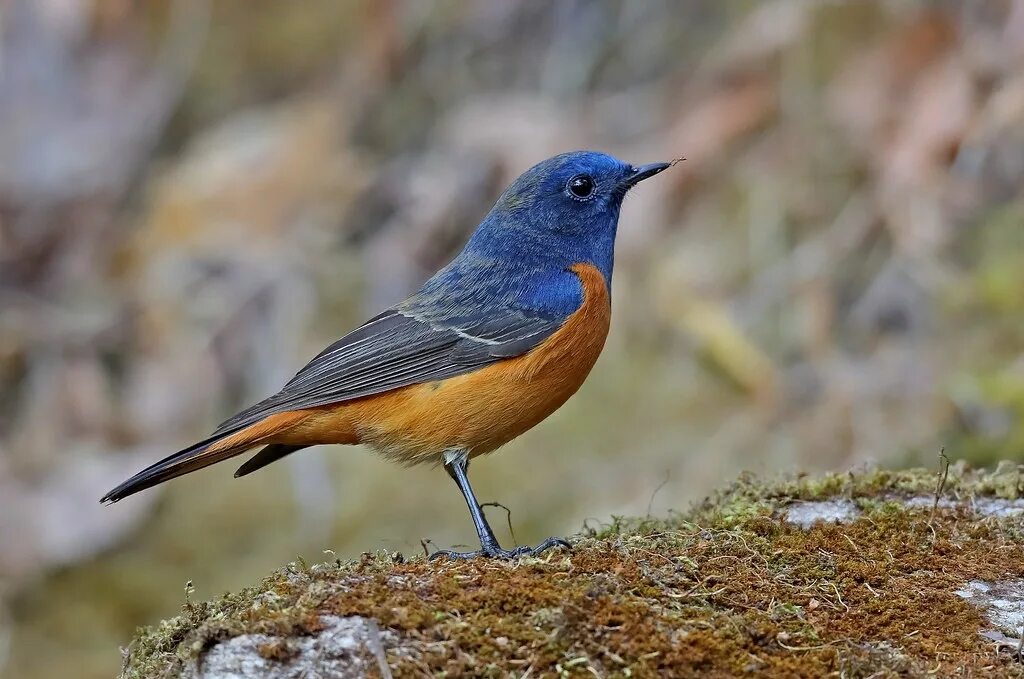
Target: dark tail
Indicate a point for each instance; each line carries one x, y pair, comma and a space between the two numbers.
220, 446
188, 460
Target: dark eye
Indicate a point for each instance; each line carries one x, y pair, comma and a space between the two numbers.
581, 186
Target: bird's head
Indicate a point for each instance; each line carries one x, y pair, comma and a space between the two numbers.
563, 210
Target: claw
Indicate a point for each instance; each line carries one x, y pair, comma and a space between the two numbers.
496, 552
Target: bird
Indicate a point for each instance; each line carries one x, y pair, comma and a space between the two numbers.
492, 344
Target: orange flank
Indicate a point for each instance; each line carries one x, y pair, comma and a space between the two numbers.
477, 412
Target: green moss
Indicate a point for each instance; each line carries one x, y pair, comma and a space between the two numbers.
727, 588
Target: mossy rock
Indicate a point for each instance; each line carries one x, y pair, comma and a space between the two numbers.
872, 574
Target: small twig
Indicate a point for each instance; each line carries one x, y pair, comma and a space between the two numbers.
807, 648
941, 482
331, 553
839, 597
508, 516
676, 161
425, 543
661, 485
586, 525
190, 589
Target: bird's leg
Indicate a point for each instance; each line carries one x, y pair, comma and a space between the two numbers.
456, 463
458, 469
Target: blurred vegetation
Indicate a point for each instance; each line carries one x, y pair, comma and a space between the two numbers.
196, 197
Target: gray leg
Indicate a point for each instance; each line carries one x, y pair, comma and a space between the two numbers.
456, 463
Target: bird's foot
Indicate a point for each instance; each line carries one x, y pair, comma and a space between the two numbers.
494, 551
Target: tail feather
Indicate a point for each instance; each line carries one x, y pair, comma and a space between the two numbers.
188, 460
208, 451
268, 455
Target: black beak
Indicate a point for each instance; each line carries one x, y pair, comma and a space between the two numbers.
644, 172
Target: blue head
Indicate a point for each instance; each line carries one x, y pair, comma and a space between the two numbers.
561, 211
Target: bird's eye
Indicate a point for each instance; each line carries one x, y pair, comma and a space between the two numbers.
581, 186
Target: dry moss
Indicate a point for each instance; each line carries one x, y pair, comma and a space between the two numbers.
726, 589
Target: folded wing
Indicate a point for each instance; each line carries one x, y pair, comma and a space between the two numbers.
396, 349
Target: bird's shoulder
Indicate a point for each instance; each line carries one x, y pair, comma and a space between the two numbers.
504, 286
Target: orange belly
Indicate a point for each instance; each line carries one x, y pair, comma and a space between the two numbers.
476, 412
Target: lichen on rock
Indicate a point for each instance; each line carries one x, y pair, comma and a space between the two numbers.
748, 582
344, 648
806, 514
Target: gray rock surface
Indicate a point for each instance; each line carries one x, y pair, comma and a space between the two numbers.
1003, 605
345, 648
806, 514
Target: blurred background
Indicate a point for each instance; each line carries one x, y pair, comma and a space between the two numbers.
196, 197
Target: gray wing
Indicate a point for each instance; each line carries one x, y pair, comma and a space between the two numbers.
396, 349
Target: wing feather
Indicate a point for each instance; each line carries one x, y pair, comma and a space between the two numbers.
397, 349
